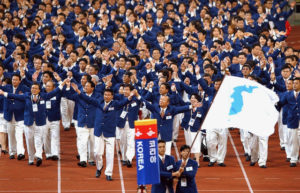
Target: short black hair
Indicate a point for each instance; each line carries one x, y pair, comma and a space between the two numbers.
91, 83
184, 147
109, 90
161, 141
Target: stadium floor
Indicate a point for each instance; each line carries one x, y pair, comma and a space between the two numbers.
66, 176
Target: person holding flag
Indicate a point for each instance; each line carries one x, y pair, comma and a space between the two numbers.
187, 169
167, 170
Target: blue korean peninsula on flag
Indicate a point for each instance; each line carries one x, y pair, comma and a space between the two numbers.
243, 104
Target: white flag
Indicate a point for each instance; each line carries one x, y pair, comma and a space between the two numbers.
243, 104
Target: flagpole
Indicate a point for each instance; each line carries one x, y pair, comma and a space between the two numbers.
176, 179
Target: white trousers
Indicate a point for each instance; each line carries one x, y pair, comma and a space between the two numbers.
3, 128
214, 138
34, 141
109, 144
67, 110
122, 135
86, 140
281, 130
168, 147
176, 123
15, 131
259, 149
293, 144
130, 152
189, 138
245, 139
51, 138
286, 139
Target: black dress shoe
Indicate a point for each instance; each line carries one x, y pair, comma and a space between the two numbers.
282, 148
124, 163
263, 166
248, 158
211, 164
4, 151
119, 152
78, 157
108, 178
30, 163
72, 125
246, 154
48, 158
82, 164
98, 173
252, 163
288, 159
129, 164
38, 162
12, 157
66, 129
293, 164
222, 165
206, 159
92, 163
55, 158
21, 156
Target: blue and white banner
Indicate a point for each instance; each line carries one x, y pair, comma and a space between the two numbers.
244, 104
147, 161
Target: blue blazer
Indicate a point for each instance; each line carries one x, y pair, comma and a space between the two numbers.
166, 179
189, 173
132, 109
197, 116
30, 117
86, 111
53, 113
105, 121
165, 124
14, 107
293, 108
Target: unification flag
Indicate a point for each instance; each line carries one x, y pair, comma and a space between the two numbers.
243, 104
147, 161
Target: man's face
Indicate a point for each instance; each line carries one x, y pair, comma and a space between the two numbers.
15, 81
286, 73
296, 84
156, 54
37, 64
82, 65
83, 80
49, 86
88, 88
108, 96
126, 78
289, 85
217, 85
242, 59
184, 154
126, 91
161, 149
245, 71
35, 89
164, 101
163, 90
46, 78
209, 71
